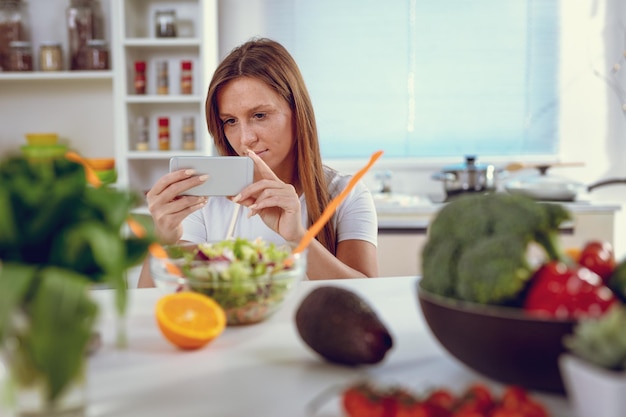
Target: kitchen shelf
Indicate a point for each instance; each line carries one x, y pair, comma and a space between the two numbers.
166, 99
134, 36
57, 75
95, 111
77, 105
161, 154
161, 43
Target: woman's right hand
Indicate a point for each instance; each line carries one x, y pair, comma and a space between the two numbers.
168, 208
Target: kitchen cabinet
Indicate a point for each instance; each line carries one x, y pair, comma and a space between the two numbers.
402, 235
94, 112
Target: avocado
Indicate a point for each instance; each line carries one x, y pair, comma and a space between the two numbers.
342, 327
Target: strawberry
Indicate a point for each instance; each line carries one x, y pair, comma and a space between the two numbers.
562, 291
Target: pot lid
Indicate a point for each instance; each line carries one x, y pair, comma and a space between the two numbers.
470, 164
542, 186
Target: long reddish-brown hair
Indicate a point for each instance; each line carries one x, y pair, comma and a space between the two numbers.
270, 62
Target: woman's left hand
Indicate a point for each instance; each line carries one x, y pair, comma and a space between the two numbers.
276, 202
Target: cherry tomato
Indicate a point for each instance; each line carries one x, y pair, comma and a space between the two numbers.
441, 397
480, 395
513, 396
599, 257
362, 401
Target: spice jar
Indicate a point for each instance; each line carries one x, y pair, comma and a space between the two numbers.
142, 134
20, 56
164, 133
13, 27
97, 55
165, 23
189, 134
140, 77
186, 78
50, 56
163, 85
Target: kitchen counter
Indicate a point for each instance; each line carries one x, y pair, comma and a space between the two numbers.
264, 369
415, 212
403, 224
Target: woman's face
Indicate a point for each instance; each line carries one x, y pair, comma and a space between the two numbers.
255, 117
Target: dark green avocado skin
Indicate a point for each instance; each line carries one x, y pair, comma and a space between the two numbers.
341, 327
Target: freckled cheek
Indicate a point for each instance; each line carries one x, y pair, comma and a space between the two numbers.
233, 136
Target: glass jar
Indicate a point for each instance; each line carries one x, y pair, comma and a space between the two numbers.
82, 27
164, 133
50, 56
163, 85
165, 23
189, 133
13, 27
97, 55
143, 138
140, 77
20, 56
186, 78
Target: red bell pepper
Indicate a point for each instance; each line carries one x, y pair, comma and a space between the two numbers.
563, 291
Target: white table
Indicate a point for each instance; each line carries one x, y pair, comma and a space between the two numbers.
263, 369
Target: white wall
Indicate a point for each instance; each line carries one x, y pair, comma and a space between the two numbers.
592, 121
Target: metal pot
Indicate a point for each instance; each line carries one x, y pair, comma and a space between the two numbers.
468, 177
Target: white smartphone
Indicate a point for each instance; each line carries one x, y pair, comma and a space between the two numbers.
228, 175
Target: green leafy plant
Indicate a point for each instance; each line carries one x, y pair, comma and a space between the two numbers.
601, 341
58, 236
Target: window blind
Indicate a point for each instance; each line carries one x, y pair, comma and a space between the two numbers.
418, 78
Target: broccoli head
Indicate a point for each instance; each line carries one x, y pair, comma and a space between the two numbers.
477, 245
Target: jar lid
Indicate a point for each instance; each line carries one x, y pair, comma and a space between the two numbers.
140, 65
97, 42
164, 121
50, 43
186, 65
19, 44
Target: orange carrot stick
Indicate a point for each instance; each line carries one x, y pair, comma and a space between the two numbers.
332, 206
158, 251
136, 227
91, 176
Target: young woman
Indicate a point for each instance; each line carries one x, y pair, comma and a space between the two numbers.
258, 106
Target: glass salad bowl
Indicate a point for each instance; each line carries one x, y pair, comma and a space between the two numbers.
249, 279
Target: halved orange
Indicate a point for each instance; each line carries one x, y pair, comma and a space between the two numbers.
189, 320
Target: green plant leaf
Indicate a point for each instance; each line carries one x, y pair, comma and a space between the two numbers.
8, 231
90, 248
112, 205
15, 281
62, 318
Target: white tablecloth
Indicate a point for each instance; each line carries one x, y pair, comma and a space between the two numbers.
264, 369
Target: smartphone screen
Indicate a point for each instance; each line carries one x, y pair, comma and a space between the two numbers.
228, 175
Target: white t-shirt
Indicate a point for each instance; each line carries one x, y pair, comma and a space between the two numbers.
355, 217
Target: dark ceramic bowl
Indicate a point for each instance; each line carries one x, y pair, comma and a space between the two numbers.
500, 343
